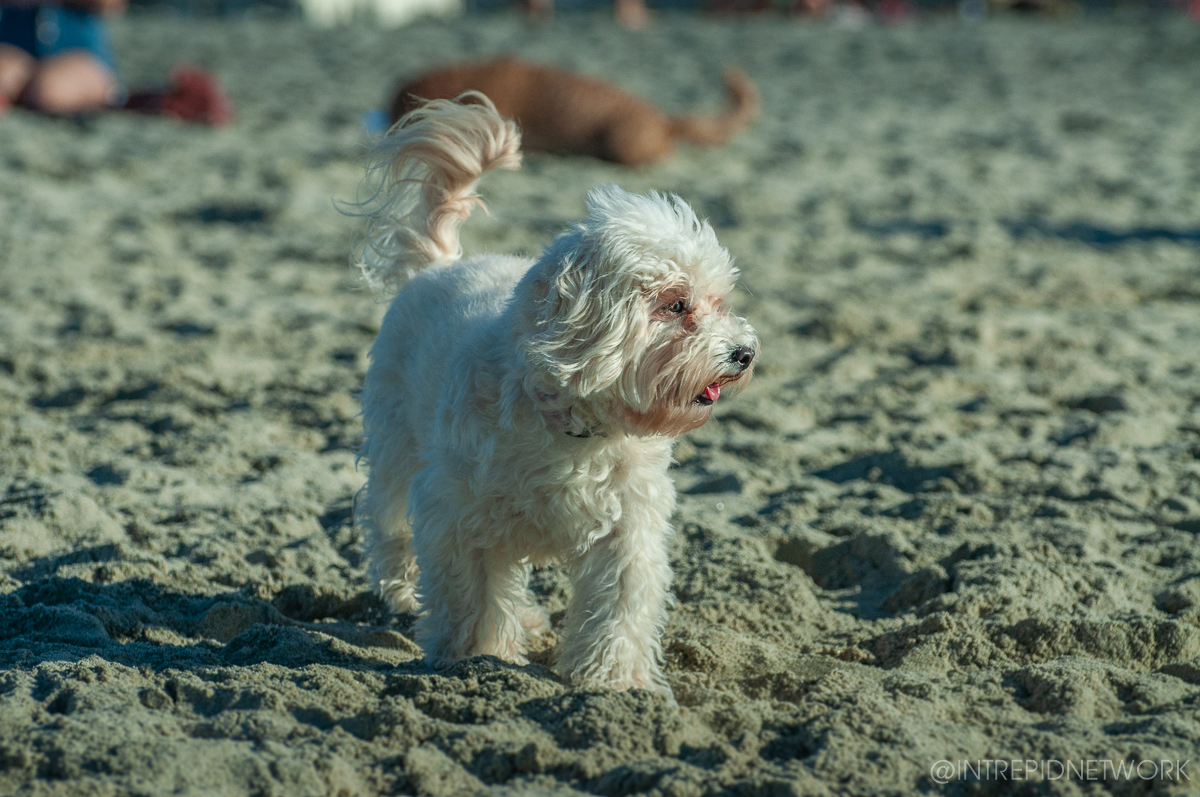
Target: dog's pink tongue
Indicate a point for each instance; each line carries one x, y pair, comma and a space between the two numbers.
712, 392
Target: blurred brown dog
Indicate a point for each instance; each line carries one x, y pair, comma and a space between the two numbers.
566, 113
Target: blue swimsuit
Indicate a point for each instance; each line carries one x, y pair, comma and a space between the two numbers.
49, 30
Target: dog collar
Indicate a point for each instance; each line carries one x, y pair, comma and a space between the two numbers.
564, 418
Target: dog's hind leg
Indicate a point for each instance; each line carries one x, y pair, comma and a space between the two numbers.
394, 570
382, 511
637, 140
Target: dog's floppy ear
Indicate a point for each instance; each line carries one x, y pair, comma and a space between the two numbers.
582, 317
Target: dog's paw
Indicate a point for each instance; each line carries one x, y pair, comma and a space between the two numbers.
655, 683
649, 679
516, 656
400, 594
534, 619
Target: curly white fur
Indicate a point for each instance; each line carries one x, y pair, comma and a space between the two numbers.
423, 176
522, 411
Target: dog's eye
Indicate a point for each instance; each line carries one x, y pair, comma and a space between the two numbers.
679, 308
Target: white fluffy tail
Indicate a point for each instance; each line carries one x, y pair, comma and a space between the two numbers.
422, 176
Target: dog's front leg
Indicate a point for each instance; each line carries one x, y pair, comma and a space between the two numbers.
475, 599
615, 620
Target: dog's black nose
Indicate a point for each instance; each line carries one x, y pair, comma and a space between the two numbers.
743, 356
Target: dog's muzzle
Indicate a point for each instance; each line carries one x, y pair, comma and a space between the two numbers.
742, 356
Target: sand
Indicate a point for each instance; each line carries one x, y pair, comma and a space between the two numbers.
955, 516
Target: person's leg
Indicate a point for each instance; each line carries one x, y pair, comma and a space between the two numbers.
631, 13
70, 82
541, 9
16, 68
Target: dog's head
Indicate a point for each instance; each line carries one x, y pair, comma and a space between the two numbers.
627, 315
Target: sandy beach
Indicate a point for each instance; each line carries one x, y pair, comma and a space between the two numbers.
954, 517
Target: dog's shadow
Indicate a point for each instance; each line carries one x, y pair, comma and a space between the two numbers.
140, 623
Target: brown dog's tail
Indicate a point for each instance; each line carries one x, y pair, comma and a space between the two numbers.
422, 178
714, 131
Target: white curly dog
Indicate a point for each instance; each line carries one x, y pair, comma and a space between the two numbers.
521, 411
